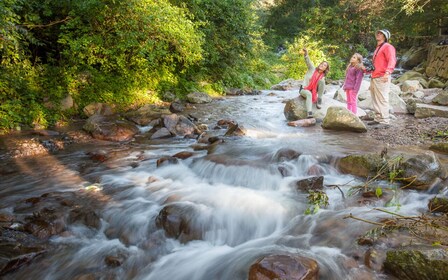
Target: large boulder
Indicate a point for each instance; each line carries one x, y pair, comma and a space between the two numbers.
295, 109
199, 98
422, 171
413, 57
427, 111
441, 98
410, 75
417, 264
411, 86
284, 267
361, 165
340, 118
438, 61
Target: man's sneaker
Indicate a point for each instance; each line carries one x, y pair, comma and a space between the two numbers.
319, 103
309, 115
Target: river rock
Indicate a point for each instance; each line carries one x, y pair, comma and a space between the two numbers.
161, 133
413, 57
339, 118
145, 115
199, 98
435, 83
235, 130
284, 267
177, 221
417, 264
303, 122
441, 98
295, 109
110, 128
312, 183
422, 171
440, 147
411, 86
98, 109
288, 84
360, 165
427, 111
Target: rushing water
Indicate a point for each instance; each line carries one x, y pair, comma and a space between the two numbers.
244, 207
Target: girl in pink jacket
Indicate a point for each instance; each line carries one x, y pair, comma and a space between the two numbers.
353, 78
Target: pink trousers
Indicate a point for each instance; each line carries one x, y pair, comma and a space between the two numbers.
352, 97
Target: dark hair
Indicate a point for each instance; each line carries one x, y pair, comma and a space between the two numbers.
328, 67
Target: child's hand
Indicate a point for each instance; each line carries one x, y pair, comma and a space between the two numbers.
305, 51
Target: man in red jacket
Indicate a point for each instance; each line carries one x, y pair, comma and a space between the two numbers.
384, 61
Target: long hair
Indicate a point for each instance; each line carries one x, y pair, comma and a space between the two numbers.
327, 69
358, 65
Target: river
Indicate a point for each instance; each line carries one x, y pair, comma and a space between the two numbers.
244, 207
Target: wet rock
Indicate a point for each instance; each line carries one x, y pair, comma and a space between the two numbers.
312, 183
14, 255
438, 205
303, 123
374, 259
285, 154
360, 165
235, 130
177, 221
417, 264
116, 260
110, 128
85, 216
226, 123
284, 267
422, 171
183, 155
100, 156
167, 160
161, 133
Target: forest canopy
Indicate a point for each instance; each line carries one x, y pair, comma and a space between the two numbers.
134, 52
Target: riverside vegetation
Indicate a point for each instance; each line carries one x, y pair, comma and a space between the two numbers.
56, 57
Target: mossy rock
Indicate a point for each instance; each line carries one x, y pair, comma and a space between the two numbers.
439, 147
361, 165
417, 264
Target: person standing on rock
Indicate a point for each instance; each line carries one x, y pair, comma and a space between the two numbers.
383, 61
313, 86
352, 82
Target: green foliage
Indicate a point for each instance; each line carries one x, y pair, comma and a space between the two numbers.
316, 199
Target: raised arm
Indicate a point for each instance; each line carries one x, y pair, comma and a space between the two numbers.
308, 62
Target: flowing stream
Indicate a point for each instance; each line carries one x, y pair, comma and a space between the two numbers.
242, 205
